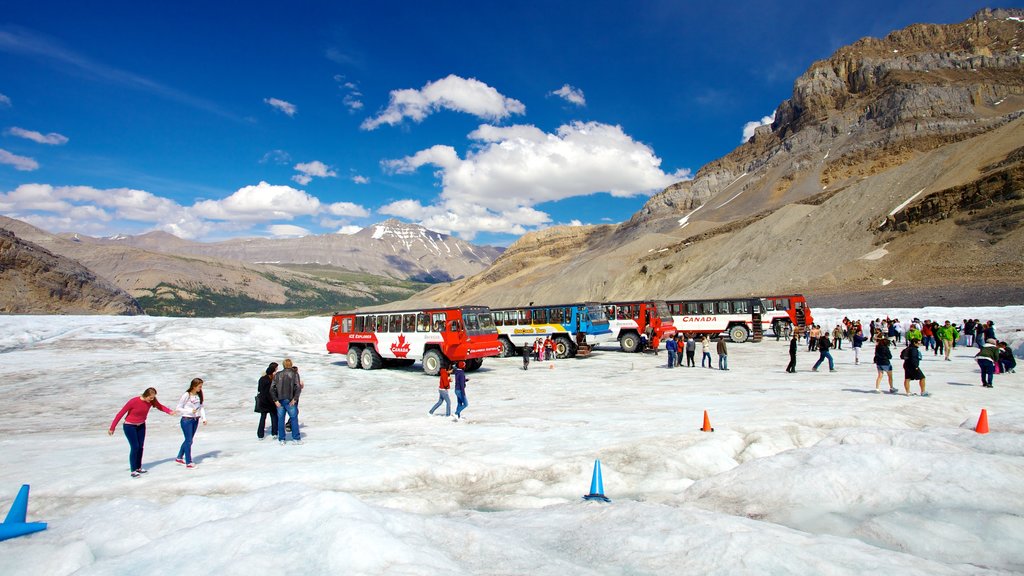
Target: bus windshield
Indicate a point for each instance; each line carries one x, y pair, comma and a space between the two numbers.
662, 309
597, 314
478, 322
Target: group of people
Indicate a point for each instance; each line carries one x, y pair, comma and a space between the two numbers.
993, 356
191, 409
686, 343
277, 395
458, 373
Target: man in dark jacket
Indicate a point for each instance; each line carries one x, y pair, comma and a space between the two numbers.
265, 403
823, 347
791, 368
285, 391
460, 389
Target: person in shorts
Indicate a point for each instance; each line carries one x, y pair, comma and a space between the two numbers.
883, 362
911, 356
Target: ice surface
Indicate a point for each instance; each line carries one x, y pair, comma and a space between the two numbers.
807, 473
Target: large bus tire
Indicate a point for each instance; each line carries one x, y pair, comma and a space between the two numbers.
507, 348
370, 359
433, 361
353, 357
629, 342
739, 333
564, 347
474, 364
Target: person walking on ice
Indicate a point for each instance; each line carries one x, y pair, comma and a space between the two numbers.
911, 356
134, 413
883, 362
192, 411
460, 389
442, 391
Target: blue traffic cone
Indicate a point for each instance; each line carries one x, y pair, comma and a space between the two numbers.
15, 525
597, 485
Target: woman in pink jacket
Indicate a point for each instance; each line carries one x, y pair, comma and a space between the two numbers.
134, 413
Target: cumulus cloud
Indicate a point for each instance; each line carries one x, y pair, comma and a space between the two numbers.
261, 202
349, 230
23, 163
309, 170
511, 169
749, 127
360, 179
4, 101
287, 231
352, 98
90, 210
467, 95
285, 107
53, 138
571, 95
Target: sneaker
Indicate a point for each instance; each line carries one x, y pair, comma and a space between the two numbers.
296, 442
179, 461
281, 442
926, 394
135, 474
142, 470
190, 465
833, 370
814, 369
877, 391
260, 438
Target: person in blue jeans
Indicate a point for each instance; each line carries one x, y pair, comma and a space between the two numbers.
723, 354
192, 410
672, 347
823, 347
285, 391
460, 389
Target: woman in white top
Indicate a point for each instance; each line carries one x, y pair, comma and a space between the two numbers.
192, 411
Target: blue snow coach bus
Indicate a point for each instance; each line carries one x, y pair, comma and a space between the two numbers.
568, 326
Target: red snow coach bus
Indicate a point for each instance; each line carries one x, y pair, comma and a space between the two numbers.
437, 336
629, 320
791, 309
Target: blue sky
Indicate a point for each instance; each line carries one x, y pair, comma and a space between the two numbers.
486, 120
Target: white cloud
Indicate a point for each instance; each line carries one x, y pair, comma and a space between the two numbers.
286, 107
53, 138
352, 102
261, 202
512, 169
749, 127
349, 230
571, 95
450, 93
309, 170
23, 163
276, 157
287, 231
4, 100
360, 179
346, 209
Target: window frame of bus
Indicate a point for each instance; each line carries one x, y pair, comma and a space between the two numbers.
438, 317
740, 307
346, 324
394, 322
360, 323
422, 322
539, 316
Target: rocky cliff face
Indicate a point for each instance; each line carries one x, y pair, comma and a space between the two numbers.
34, 280
884, 174
390, 248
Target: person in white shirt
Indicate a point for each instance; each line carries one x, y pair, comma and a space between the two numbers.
190, 406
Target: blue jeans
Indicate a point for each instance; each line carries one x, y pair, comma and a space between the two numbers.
988, 370
443, 397
188, 428
706, 356
292, 410
821, 358
136, 435
723, 361
671, 359
460, 395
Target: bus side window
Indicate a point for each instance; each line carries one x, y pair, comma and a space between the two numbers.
454, 326
740, 307
409, 323
438, 321
540, 316
707, 307
346, 325
359, 323
722, 307
422, 322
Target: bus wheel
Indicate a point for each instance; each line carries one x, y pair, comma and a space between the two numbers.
370, 359
474, 364
353, 357
563, 347
739, 333
629, 342
507, 349
433, 361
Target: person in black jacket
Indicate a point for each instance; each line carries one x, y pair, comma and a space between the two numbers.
791, 368
264, 402
823, 347
883, 361
911, 356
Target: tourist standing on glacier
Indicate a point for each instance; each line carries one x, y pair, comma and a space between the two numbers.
134, 413
285, 391
858, 342
442, 391
460, 389
823, 354
671, 346
987, 358
192, 410
705, 345
791, 367
723, 354
526, 357
911, 356
691, 349
265, 402
883, 362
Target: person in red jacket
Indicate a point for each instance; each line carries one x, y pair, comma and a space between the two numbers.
442, 390
134, 413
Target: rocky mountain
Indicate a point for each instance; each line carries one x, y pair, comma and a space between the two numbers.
34, 280
893, 175
391, 248
199, 285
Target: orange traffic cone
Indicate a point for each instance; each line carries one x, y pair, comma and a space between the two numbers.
982, 427
707, 424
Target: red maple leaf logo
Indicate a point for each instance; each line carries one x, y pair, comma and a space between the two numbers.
401, 348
